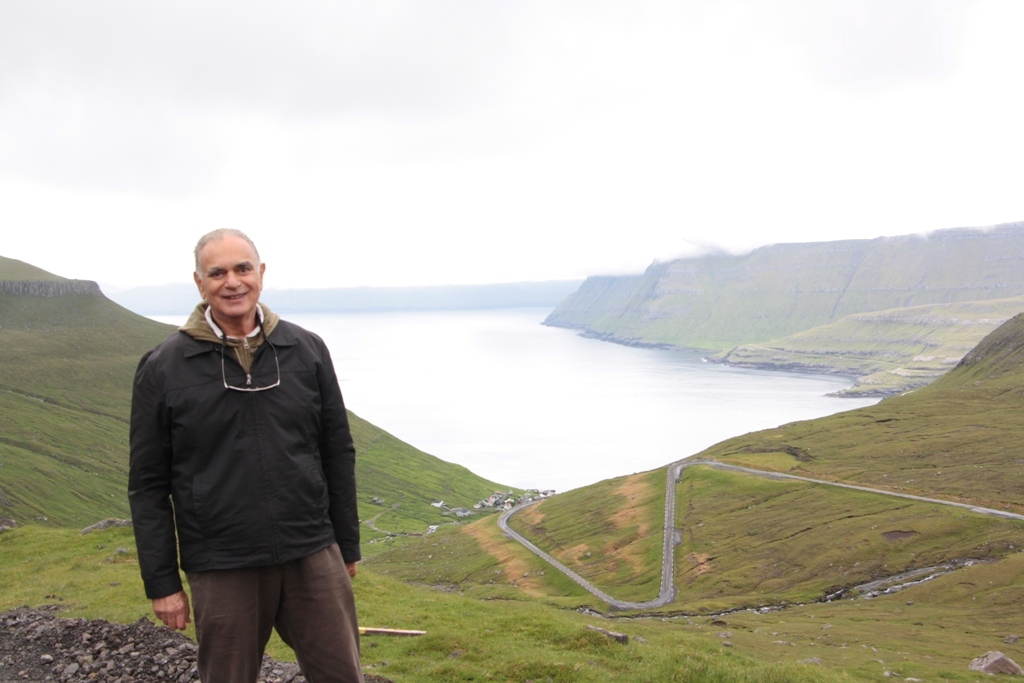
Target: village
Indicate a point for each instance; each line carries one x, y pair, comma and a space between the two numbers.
497, 501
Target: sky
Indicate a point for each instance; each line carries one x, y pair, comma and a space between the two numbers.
402, 142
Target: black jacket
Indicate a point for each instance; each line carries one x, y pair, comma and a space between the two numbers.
256, 478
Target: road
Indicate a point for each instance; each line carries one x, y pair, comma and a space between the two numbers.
668, 590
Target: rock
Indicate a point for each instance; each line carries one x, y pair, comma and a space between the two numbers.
41, 646
812, 660
619, 637
1010, 640
106, 524
48, 288
996, 663
724, 634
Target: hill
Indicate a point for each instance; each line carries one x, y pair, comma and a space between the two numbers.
719, 301
889, 351
65, 396
863, 582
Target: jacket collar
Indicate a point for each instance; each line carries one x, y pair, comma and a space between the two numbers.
280, 336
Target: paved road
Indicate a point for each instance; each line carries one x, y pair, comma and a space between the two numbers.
668, 590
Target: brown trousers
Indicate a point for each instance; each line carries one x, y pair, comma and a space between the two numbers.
308, 601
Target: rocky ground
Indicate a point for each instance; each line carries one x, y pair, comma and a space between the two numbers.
39, 645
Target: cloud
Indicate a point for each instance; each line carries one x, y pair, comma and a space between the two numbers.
135, 96
870, 43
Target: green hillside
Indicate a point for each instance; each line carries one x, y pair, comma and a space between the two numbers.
65, 399
719, 301
789, 570
15, 270
96, 576
889, 351
958, 438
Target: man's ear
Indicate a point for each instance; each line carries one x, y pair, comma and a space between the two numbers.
263, 269
199, 285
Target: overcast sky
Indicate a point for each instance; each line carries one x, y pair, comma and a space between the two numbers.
457, 141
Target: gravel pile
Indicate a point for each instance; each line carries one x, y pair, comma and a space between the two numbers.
37, 645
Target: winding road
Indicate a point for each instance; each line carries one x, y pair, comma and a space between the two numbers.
668, 590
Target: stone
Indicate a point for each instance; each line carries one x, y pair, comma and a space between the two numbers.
106, 524
1010, 640
618, 637
996, 663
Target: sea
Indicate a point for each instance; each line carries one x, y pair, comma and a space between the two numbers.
531, 406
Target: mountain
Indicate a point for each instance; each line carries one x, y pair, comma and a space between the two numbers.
178, 298
65, 396
720, 301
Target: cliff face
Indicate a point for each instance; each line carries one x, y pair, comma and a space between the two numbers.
48, 288
719, 301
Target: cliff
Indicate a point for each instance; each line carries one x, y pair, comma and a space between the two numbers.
48, 288
719, 301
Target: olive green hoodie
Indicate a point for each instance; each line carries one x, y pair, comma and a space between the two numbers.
200, 326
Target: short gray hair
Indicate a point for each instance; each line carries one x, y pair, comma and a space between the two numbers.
218, 234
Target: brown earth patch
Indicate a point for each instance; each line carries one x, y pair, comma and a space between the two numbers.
532, 516
636, 493
699, 563
508, 553
891, 536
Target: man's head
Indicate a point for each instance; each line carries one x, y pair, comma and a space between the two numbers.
229, 276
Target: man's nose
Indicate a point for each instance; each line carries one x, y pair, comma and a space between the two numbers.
231, 280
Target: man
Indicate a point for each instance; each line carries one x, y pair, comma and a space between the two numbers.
242, 462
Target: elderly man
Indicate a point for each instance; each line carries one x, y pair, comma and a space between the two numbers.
243, 464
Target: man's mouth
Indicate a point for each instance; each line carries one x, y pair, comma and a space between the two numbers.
235, 297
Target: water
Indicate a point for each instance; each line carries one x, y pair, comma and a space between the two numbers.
539, 407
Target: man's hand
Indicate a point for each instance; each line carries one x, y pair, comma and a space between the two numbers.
173, 610
351, 567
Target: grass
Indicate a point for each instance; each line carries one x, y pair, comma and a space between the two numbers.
770, 542
15, 270
467, 639
610, 533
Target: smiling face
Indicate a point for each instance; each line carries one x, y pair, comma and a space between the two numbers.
230, 279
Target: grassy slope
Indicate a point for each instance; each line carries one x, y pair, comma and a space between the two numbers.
96, 576
609, 533
748, 541
719, 301
408, 480
13, 269
65, 398
958, 438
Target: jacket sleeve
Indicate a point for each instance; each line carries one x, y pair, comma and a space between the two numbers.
149, 485
338, 454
